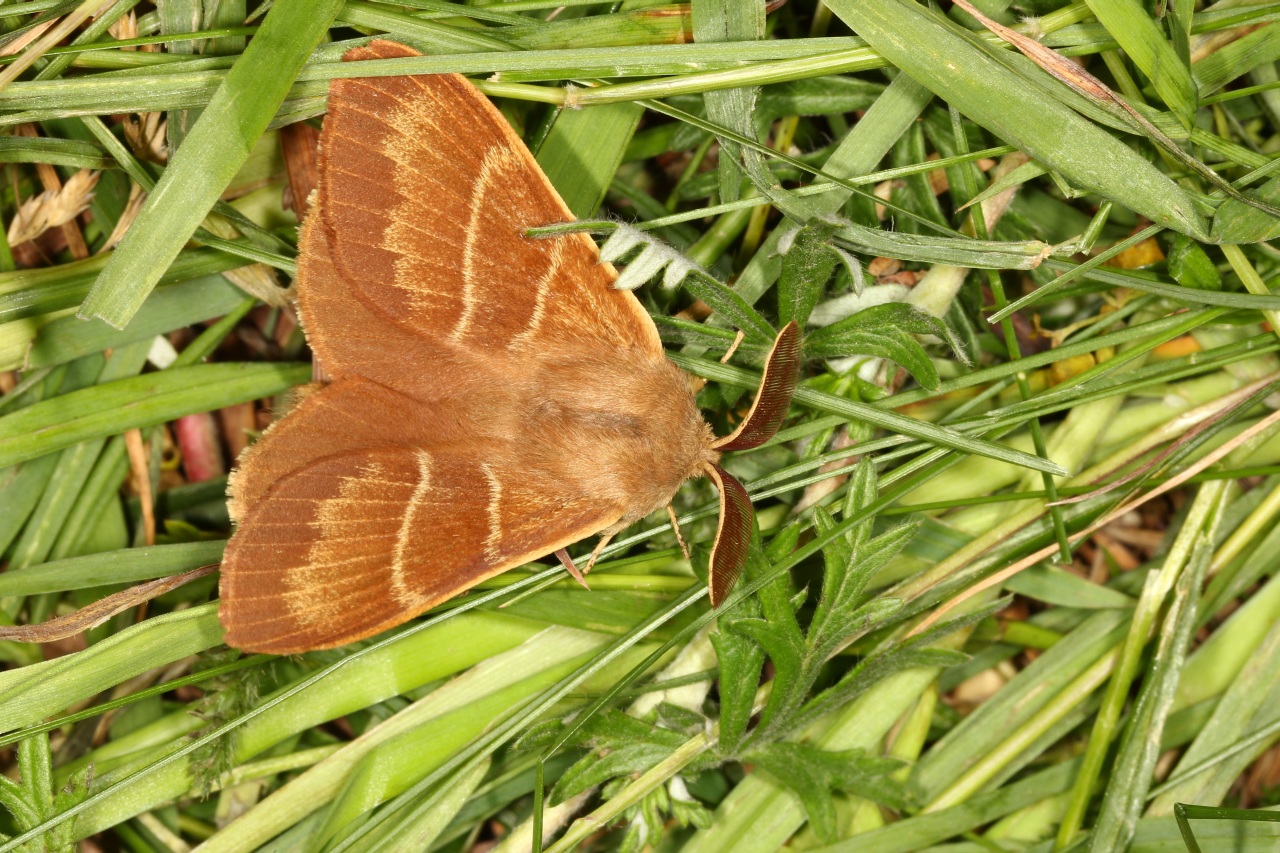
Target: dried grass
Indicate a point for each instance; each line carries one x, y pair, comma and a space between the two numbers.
53, 208
131, 210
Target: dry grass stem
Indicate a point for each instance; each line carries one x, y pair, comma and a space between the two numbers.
138, 463
1048, 551
136, 199
101, 610
26, 38
63, 28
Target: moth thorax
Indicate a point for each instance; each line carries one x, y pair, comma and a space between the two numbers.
674, 442
627, 431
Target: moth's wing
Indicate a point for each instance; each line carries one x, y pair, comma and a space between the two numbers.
362, 540
349, 412
425, 194
350, 338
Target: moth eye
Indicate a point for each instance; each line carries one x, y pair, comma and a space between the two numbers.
777, 385
733, 535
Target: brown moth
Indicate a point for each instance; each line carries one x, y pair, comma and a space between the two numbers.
493, 398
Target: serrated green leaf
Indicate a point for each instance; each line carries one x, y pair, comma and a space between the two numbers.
786, 652
838, 618
887, 331
18, 800
740, 655
680, 718
806, 267
619, 744
776, 598
787, 762
1237, 222
835, 557
1191, 266
905, 655
740, 661
731, 307
813, 773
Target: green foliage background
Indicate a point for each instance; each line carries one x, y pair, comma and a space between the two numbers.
908, 664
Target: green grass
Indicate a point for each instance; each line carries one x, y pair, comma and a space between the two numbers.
909, 663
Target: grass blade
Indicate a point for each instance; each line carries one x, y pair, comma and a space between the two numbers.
1128, 22
961, 68
138, 402
212, 153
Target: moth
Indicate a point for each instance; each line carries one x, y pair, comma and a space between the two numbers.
492, 397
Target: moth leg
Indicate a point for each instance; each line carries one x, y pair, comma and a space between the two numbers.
733, 347
595, 552
675, 526
565, 560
